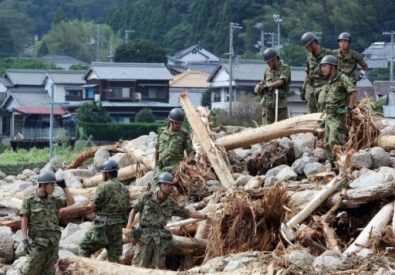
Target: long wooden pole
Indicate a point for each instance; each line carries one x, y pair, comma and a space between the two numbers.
217, 161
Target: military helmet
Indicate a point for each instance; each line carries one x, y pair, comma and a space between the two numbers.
308, 38
344, 36
46, 177
109, 166
269, 54
165, 177
329, 59
177, 115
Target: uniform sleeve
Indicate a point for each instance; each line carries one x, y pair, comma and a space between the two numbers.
180, 211
137, 206
358, 57
350, 87
99, 194
25, 210
286, 74
61, 202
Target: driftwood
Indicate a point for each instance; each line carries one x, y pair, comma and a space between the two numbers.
11, 203
300, 124
188, 246
382, 218
386, 142
89, 266
214, 155
65, 214
125, 173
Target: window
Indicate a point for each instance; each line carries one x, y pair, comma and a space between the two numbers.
120, 118
217, 96
73, 95
154, 93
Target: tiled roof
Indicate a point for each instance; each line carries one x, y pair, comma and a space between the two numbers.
6, 82
28, 99
25, 77
67, 77
129, 71
64, 59
190, 79
144, 104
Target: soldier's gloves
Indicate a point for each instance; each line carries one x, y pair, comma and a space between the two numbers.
361, 74
322, 124
303, 95
341, 111
61, 183
191, 162
27, 246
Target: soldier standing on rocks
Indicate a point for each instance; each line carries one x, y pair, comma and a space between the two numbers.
40, 221
156, 209
111, 201
171, 143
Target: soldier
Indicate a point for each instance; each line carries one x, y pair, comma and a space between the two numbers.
277, 76
171, 143
156, 209
111, 201
341, 98
39, 215
314, 80
348, 59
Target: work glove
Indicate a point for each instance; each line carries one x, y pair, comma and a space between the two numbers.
191, 162
341, 111
361, 75
61, 183
27, 246
322, 124
303, 95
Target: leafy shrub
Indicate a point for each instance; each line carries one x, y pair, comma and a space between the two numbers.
145, 115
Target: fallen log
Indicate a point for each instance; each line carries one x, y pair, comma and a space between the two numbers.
135, 192
89, 266
11, 203
65, 214
214, 155
188, 246
386, 142
330, 237
374, 227
125, 173
300, 124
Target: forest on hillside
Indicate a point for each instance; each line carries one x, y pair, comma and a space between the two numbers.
177, 24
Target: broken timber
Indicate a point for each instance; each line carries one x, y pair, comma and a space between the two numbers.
217, 161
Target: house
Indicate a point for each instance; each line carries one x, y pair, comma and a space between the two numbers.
378, 55
5, 85
64, 61
245, 75
193, 54
194, 82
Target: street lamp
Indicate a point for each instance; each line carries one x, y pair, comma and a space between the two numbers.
260, 25
392, 54
278, 20
232, 26
127, 32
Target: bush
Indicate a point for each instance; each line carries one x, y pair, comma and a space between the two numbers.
145, 115
245, 111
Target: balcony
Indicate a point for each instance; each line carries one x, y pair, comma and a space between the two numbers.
39, 133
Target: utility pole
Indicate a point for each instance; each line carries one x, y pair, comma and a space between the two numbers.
232, 26
278, 20
127, 32
51, 122
392, 54
272, 38
261, 25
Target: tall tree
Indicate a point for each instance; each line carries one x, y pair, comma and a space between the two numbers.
93, 113
140, 50
7, 46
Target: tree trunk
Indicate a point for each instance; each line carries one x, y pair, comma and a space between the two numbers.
188, 246
89, 266
382, 218
11, 203
300, 124
214, 155
125, 173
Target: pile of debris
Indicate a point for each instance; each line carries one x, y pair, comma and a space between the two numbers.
276, 206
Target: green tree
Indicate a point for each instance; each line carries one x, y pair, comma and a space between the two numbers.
23, 63
59, 16
43, 50
145, 115
140, 50
205, 101
7, 46
93, 113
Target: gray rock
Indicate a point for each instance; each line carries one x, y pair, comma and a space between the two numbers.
362, 159
67, 254
70, 229
21, 177
17, 237
143, 142
28, 173
379, 157
300, 258
241, 153
299, 164
370, 178
71, 180
127, 253
6, 247
2, 175
19, 263
232, 265
10, 178
20, 250
319, 153
14, 272
365, 253
56, 163
79, 199
101, 156
6, 230
327, 261
146, 179
270, 181
2, 272
387, 170
80, 173
313, 168
121, 159
388, 131
213, 183
282, 172
75, 238
243, 179
304, 142
286, 143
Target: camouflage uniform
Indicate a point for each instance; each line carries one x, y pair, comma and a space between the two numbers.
348, 63
338, 90
112, 200
170, 146
315, 81
44, 233
152, 246
269, 105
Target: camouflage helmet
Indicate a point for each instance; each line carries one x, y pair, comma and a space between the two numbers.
165, 177
46, 177
329, 59
109, 166
177, 115
308, 38
344, 36
269, 54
